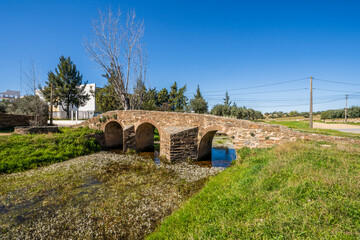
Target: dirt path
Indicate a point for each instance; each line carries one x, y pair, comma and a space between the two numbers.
338, 127
5, 134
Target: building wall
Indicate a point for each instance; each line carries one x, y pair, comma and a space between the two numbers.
85, 112
9, 95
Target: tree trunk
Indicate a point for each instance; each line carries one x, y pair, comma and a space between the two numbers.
126, 102
68, 111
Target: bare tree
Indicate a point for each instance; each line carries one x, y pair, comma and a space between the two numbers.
139, 93
30, 78
31, 84
115, 47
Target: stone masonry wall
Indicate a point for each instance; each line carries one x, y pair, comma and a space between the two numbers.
183, 143
15, 120
242, 132
129, 138
12, 120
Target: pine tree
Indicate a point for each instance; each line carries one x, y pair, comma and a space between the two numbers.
163, 97
173, 96
198, 103
177, 98
67, 89
227, 101
106, 100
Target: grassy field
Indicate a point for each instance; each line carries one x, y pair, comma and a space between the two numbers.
98, 196
303, 126
302, 190
22, 152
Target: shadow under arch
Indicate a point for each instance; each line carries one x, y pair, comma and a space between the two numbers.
144, 137
113, 135
221, 149
204, 151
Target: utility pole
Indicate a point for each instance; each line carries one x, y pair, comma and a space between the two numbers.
346, 108
21, 80
311, 103
51, 104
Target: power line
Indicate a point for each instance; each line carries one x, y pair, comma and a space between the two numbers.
296, 104
274, 99
258, 86
276, 91
345, 83
330, 90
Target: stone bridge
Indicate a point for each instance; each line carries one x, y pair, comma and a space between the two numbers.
186, 135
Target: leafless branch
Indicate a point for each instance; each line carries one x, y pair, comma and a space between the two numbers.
113, 49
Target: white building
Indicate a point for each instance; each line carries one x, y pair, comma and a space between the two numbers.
9, 95
85, 112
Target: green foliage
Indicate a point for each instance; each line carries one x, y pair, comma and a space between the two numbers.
28, 105
353, 112
22, 152
156, 135
163, 97
293, 191
177, 99
198, 103
66, 86
106, 100
3, 106
280, 114
149, 99
227, 101
236, 112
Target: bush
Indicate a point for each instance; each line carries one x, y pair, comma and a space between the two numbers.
2, 107
236, 112
22, 152
29, 105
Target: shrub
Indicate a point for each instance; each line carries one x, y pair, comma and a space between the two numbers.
2, 107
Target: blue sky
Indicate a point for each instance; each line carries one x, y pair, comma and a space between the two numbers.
220, 45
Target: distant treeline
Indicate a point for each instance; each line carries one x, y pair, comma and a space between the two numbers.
236, 112
353, 112
280, 114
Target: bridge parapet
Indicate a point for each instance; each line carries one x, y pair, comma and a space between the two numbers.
181, 132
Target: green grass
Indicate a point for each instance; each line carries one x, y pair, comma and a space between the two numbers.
156, 135
301, 190
22, 152
304, 127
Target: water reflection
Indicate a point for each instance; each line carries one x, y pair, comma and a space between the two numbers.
220, 157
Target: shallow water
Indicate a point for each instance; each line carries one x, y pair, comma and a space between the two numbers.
220, 157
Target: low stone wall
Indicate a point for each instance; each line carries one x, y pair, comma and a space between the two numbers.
38, 129
341, 120
15, 120
12, 120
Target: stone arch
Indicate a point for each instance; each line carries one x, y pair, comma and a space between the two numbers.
113, 132
205, 143
144, 137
